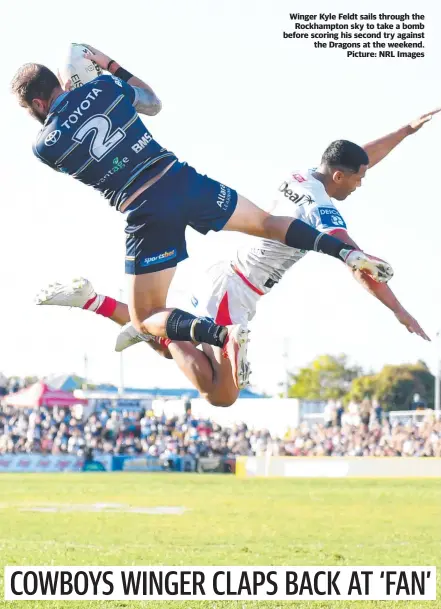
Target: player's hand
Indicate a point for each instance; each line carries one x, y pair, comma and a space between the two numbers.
99, 58
410, 323
66, 86
416, 125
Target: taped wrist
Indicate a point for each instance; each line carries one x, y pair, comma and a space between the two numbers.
123, 74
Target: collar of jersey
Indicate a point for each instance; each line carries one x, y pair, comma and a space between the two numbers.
54, 105
58, 101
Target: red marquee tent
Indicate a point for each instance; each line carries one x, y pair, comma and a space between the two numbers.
40, 394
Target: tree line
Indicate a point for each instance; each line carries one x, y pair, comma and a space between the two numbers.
331, 377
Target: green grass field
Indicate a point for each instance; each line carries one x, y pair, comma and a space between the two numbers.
229, 522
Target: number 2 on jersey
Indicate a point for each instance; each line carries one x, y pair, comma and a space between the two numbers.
102, 142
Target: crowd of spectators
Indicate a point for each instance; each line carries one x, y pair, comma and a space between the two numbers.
378, 440
364, 431
13, 384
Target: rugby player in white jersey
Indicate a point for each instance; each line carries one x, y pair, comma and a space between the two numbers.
231, 289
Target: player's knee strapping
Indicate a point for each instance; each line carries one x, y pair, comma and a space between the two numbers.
183, 326
302, 236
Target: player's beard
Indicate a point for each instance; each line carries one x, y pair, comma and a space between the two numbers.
35, 114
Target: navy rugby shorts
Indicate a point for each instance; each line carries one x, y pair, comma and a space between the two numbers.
157, 219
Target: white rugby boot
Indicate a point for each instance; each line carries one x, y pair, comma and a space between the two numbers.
379, 270
75, 294
129, 336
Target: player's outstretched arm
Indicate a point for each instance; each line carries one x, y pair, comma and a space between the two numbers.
383, 293
147, 102
380, 148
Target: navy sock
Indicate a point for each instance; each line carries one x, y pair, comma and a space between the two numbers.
305, 237
180, 323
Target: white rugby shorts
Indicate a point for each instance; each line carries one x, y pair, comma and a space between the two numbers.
224, 296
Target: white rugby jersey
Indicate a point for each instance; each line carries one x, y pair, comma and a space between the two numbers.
303, 197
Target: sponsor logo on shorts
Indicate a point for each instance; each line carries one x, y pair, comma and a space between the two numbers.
224, 197
159, 258
295, 197
52, 137
194, 301
330, 217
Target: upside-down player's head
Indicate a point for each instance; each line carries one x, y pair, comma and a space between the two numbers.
344, 165
35, 87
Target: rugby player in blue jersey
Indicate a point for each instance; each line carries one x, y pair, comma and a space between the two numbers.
94, 134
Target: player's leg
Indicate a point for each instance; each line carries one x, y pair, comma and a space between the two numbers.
222, 296
218, 207
209, 371
205, 370
210, 379
150, 316
223, 391
81, 294
155, 244
147, 301
250, 219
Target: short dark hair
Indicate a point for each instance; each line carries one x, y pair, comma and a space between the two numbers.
32, 81
345, 155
